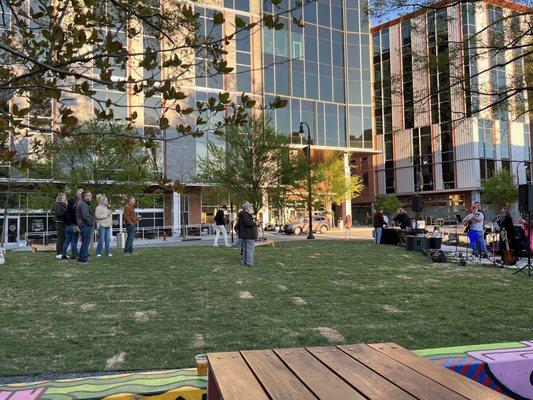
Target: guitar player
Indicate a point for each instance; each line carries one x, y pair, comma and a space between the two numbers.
474, 230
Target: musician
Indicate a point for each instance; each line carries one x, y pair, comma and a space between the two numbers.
505, 221
404, 222
475, 222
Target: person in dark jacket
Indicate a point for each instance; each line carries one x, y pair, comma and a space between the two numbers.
72, 230
220, 226
84, 218
404, 222
505, 221
59, 209
378, 221
247, 231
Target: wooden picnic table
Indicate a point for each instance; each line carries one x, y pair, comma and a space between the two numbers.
360, 371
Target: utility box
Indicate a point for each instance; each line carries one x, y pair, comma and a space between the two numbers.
121, 240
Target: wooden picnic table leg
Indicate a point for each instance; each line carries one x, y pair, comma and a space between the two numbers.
213, 393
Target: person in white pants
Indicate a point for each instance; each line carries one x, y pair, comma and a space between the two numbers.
220, 226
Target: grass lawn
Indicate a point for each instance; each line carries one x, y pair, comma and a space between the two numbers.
165, 305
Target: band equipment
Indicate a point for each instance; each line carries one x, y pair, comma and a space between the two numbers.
416, 203
507, 255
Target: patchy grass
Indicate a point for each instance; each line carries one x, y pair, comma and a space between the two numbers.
163, 306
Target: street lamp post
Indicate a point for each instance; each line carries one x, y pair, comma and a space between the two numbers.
309, 199
517, 165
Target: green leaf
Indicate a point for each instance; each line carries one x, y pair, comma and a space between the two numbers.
218, 18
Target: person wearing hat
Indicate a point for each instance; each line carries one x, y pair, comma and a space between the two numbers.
247, 231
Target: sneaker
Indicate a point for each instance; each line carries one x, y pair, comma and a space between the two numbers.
215, 245
228, 245
59, 256
65, 257
110, 255
98, 255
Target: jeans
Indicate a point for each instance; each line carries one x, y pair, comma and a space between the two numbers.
71, 238
476, 242
104, 236
86, 232
130, 230
221, 230
247, 252
377, 235
60, 228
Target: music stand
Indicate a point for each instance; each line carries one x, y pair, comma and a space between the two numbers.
528, 266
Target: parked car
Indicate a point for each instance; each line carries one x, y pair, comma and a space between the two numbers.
321, 224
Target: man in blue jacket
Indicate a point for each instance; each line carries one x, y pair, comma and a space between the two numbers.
84, 218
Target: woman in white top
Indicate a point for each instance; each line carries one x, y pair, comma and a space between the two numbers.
104, 222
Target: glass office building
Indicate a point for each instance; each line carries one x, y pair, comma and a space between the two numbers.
436, 75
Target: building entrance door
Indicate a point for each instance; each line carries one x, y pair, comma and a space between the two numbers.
13, 228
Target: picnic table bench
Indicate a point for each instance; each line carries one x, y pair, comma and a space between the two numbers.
360, 371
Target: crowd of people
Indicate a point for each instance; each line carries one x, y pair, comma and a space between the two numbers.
75, 221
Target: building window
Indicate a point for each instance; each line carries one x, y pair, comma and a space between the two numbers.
241, 5
447, 155
487, 148
407, 68
486, 168
244, 59
389, 163
422, 159
206, 75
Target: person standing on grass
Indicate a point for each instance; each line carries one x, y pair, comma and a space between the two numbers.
378, 223
130, 219
72, 230
104, 222
220, 226
84, 218
247, 231
348, 226
59, 209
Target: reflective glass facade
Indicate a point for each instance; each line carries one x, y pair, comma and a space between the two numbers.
323, 70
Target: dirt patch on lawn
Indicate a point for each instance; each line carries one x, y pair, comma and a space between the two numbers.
199, 341
391, 309
403, 277
87, 307
245, 295
332, 335
299, 301
115, 361
282, 287
144, 316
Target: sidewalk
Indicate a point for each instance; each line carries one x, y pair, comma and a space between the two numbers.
357, 233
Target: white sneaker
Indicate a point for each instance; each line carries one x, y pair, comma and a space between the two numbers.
110, 255
98, 255
227, 245
59, 256
215, 245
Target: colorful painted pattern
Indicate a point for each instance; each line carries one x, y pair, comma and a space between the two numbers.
183, 384
504, 367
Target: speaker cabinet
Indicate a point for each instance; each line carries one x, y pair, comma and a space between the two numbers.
416, 203
525, 198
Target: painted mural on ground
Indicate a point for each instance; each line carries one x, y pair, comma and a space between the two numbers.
504, 367
183, 384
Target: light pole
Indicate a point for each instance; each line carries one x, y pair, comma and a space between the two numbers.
301, 133
525, 166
